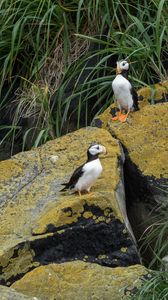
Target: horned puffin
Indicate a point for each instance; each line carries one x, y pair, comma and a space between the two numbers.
85, 176
125, 94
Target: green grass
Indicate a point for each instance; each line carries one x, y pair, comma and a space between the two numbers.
155, 238
71, 47
155, 288
60, 56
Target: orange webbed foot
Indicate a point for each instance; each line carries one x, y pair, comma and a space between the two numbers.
117, 117
123, 118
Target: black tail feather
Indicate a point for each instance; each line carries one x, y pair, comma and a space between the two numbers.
65, 187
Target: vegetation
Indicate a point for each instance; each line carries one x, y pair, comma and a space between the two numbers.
58, 60
154, 288
156, 238
57, 63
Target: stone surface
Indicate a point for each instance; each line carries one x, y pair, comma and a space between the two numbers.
80, 280
144, 138
40, 225
7, 293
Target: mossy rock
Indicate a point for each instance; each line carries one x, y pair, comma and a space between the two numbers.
40, 225
80, 280
144, 138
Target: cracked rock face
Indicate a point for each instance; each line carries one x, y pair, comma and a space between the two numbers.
144, 139
41, 226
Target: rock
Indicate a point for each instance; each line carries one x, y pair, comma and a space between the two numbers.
7, 293
144, 139
80, 280
40, 225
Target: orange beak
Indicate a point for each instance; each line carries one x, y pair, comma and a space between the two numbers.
104, 151
118, 70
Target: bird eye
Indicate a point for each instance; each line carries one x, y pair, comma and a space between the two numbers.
97, 147
124, 63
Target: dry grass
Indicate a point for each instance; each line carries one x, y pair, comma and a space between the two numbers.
56, 65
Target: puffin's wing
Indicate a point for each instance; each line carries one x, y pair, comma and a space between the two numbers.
74, 178
134, 97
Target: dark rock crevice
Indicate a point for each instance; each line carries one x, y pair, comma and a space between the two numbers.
101, 243
144, 202
144, 142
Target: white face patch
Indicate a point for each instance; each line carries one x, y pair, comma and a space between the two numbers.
96, 149
122, 65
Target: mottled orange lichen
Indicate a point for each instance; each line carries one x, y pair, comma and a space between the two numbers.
80, 280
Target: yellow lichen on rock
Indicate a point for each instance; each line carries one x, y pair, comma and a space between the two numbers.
33, 202
69, 208
146, 138
144, 135
88, 214
16, 260
19, 215
7, 293
73, 207
124, 249
152, 93
19, 264
64, 213
80, 280
9, 169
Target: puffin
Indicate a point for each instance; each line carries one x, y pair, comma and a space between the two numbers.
124, 92
85, 175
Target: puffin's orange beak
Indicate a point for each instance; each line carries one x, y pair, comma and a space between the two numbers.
118, 70
104, 150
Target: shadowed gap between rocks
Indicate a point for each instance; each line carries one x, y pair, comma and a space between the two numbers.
145, 197
142, 208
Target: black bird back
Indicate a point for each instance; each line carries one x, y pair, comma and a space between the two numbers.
78, 172
74, 178
135, 98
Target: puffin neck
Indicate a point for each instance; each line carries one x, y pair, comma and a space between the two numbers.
124, 73
91, 157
